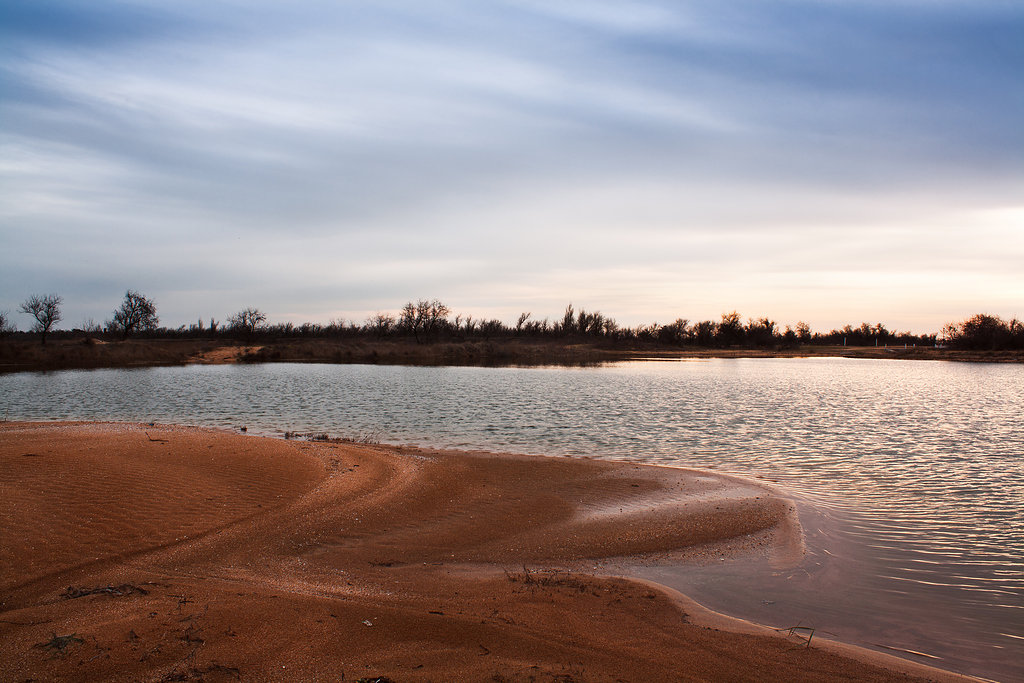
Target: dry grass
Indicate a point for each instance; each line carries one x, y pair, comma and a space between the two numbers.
408, 352
58, 354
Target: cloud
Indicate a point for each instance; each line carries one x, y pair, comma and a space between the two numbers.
321, 157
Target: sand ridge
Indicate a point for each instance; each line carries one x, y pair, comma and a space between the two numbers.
133, 552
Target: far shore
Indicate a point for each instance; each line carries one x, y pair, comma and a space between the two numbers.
88, 352
160, 553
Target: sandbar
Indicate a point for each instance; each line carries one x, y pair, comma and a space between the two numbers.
170, 553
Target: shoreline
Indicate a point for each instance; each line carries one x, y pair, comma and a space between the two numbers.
839, 593
89, 353
264, 532
699, 614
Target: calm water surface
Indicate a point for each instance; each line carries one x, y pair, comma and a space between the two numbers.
912, 472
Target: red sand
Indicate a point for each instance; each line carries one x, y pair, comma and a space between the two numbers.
170, 553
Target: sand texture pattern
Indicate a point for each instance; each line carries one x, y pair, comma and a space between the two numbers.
138, 553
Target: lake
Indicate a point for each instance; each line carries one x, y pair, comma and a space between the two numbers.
909, 474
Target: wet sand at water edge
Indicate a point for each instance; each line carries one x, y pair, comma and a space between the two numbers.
131, 552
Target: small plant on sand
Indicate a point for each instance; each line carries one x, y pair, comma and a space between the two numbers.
369, 437
124, 589
551, 578
193, 673
800, 632
58, 645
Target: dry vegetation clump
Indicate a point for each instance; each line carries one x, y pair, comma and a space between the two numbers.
58, 646
369, 437
549, 579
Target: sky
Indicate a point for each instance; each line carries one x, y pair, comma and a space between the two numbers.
830, 161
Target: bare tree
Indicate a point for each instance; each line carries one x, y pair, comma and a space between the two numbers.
6, 327
424, 318
247, 320
589, 323
789, 337
730, 331
436, 316
674, 333
136, 313
568, 320
703, 332
409, 320
761, 332
381, 323
46, 310
90, 327
984, 331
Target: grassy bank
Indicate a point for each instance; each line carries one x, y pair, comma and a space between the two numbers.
65, 354
61, 354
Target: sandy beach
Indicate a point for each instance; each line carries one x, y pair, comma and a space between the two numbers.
161, 553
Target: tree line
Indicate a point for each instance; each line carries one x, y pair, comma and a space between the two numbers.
429, 321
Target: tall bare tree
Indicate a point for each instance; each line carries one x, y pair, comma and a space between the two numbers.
247, 320
424, 318
46, 310
136, 313
435, 316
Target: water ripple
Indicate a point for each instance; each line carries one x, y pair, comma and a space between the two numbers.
922, 461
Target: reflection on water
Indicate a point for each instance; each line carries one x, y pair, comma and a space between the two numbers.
923, 461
